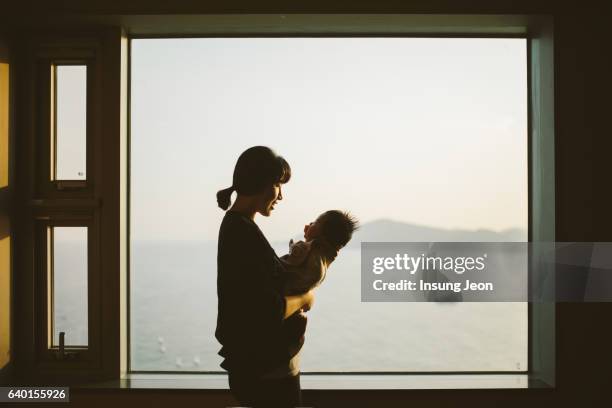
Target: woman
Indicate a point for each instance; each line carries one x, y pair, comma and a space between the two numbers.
260, 330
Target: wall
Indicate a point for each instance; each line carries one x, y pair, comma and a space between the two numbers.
5, 238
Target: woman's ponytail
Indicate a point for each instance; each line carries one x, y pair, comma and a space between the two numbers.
224, 197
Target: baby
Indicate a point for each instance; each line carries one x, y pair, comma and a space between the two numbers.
307, 261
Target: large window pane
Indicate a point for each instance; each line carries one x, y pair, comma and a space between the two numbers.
420, 138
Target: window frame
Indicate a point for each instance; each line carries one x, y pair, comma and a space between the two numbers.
39, 203
527, 370
108, 138
77, 356
538, 33
48, 57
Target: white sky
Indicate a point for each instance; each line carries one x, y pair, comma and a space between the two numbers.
71, 122
426, 131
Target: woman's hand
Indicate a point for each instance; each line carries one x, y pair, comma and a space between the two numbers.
302, 302
308, 300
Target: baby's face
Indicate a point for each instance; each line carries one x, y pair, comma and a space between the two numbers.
312, 230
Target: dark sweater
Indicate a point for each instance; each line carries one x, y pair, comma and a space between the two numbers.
251, 328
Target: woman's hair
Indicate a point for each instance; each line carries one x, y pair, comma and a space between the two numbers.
257, 168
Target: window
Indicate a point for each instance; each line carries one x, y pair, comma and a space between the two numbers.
168, 160
70, 119
61, 208
418, 137
68, 284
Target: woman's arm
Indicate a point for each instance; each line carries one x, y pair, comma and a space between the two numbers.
297, 302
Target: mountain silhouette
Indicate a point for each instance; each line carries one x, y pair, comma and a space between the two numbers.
386, 230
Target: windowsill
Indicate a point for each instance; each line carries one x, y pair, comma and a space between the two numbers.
332, 382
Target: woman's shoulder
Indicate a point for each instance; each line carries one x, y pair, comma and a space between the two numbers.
237, 227
241, 240
233, 219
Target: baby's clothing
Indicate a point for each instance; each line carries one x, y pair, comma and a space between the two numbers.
305, 267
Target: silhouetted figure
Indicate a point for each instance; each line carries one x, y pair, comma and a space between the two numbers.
260, 329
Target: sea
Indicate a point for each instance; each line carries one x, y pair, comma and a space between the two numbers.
173, 311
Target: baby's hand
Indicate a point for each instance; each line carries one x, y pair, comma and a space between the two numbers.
298, 252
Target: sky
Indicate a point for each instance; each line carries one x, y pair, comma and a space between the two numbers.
428, 131
71, 114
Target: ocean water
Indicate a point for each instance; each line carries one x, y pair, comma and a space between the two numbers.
173, 310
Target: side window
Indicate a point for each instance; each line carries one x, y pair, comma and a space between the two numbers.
63, 210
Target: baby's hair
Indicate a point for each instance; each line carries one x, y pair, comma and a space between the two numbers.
337, 227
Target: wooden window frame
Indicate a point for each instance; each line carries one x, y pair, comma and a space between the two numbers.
41, 203
76, 357
106, 197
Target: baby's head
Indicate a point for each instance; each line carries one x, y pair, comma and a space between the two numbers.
335, 227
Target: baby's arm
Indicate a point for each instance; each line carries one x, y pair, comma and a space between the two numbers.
306, 276
298, 252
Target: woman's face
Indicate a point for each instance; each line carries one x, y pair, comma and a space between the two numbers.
269, 198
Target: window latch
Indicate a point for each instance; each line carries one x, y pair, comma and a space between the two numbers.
62, 354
